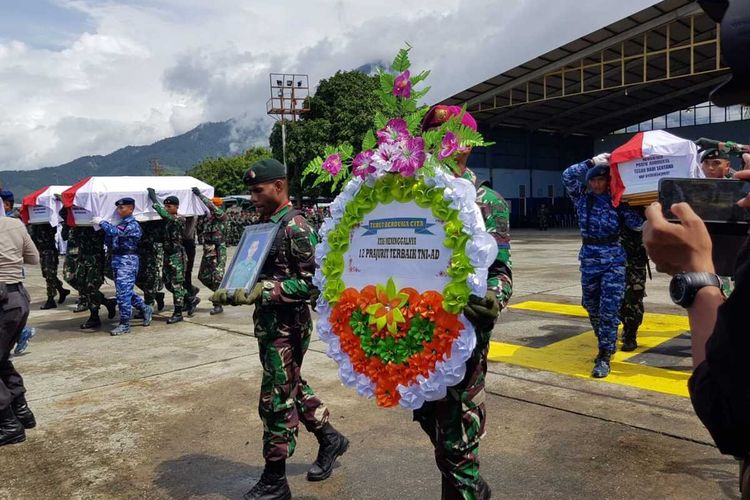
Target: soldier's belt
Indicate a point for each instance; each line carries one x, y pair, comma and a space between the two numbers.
602, 241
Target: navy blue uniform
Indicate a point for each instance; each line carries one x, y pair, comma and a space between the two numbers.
122, 241
602, 257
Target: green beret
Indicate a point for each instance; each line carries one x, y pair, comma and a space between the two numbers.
264, 171
713, 154
172, 200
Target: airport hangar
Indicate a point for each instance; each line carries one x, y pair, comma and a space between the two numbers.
651, 70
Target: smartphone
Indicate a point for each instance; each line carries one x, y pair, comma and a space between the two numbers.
714, 200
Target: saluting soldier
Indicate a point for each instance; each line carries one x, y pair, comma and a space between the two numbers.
283, 326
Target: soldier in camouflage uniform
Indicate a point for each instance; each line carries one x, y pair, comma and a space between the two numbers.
602, 257
151, 256
283, 326
213, 262
636, 267
70, 262
43, 236
456, 423
174, 253
122, 241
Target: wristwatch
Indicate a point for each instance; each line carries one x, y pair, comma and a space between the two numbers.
684, 286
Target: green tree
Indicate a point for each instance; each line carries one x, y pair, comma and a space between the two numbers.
341, 110
225, 173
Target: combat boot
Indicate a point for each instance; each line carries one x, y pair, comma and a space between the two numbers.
80, 306
93, 321
333, 444
629, 343
50, 304
192, 304
111, 305
176, 316
64, 292
602, 364
11, 430
148, 314
159, 301
121, 329
217, 309
271, 486
23, 412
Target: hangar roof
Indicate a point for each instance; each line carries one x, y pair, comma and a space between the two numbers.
661, 59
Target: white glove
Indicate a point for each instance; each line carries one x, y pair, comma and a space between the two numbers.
601, 159
96, 220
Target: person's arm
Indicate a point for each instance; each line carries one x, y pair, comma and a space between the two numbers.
30, 252
631, 218
295, 289
216, 212
500, 274
571, 178
702, 315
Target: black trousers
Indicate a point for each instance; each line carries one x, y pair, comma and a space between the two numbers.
13, 315
190, 254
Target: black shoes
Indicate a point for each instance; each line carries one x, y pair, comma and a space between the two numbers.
50, 304
176, 316
64, 292
159, 301
602, 364
629, 343
93, 321
192, 304
11, 429
23, 412
449, 492
110, 304
333, 444
271, 486
217, 309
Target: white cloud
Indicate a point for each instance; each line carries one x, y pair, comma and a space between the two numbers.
145, 70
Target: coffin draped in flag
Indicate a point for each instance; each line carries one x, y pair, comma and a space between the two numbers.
96, 197
42, 206
639, 164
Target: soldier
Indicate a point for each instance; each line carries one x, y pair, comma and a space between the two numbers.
636, 266
70, 263
602, 256
43, 236
123, 243
151, 263
213, 262
543, 215
174, 253
283, 326
188, 243
8, 202
455, 424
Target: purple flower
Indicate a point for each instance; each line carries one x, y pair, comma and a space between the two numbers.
394, 131
449, 146
402, 85
411, 157
333, 164
363, 164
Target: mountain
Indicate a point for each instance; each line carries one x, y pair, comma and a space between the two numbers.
175, 155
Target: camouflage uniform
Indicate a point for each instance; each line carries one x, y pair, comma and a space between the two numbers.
455, 424
213, 262
631, 311
283, 326
123, 241
174, 256
602, 257
151, 254
43, 236
84, 264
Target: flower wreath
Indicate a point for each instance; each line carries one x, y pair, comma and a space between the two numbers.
401, 346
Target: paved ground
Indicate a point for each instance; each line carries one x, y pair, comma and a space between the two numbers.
170, 411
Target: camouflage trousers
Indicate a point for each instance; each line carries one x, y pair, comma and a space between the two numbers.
49, 260
85, 273
125, 270
174, 277
603, 287
213, 262
631, 311
150, 272
455, 424
285, 397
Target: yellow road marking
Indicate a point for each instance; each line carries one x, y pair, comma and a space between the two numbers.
574, 356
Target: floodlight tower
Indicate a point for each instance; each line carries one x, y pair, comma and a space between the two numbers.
289, 93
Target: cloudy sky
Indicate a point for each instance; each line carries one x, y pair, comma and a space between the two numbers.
82, 77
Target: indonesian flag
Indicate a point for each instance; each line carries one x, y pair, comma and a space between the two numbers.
42, 206
637, 165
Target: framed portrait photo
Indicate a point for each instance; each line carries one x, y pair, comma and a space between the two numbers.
251, 253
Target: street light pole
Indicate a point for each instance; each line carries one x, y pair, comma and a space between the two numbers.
289, 93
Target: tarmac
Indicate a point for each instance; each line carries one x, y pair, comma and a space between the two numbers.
170, 411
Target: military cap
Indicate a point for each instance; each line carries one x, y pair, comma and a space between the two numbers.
125, 201
264, 171
171, 200
7, 196
597, 171
714, 154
